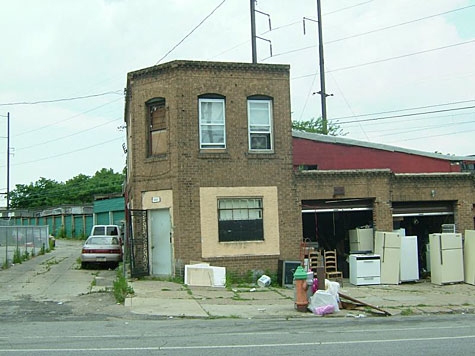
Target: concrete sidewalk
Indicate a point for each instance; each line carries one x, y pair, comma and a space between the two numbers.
168, 299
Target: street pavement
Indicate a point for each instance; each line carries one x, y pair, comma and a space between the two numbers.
57, 277
169, 299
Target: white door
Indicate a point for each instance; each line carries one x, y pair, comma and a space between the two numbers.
160, 238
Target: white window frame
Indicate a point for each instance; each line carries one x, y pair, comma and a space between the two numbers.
222, 124
262, 131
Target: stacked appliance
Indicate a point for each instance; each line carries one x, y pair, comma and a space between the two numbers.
446, 258
399, 256
361, 240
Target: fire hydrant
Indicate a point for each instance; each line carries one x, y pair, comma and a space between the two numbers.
300, 285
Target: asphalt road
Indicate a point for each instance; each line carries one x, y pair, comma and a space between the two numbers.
449, 334
47, 307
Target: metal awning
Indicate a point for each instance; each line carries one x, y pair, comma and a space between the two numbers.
336, 205
436, 208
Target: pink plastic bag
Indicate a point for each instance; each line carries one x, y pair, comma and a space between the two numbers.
326, 309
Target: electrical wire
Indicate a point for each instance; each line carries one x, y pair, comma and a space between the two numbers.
369, 32
67, 153
117, 92
68, 136
406, 109
189, 34
69, 118
387, 59
398, 25
407, 115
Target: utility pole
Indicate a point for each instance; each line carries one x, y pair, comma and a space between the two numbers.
8, 163
322, 92
253, 31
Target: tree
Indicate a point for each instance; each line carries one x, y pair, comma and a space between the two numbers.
78, 190
316, 126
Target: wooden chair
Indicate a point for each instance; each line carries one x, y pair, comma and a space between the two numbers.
331, 266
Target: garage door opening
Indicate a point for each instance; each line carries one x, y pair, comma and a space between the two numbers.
421, 219
326, 224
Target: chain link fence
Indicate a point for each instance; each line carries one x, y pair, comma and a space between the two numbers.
18, 243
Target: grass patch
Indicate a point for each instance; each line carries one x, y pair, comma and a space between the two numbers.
407, 311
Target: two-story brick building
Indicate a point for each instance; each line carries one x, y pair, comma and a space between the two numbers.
214, 173
209, 166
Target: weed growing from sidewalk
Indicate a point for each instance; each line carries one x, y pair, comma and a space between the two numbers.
121, 288
17, 256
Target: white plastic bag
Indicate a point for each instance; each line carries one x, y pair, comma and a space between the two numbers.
321, 299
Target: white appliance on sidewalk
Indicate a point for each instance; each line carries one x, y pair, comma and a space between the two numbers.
365, 269
446, 258
388, 246
469, 256
409, 263
361, 240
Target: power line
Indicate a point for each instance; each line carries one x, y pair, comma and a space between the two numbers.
401, 56
399, 24
69, 118
189, 34
347, 8
66, 153
372, 31
68, 136
387, 59
117, 92
407, 115
406, 109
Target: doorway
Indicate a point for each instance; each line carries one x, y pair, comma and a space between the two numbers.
161, 245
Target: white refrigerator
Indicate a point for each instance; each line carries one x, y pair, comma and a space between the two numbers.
361, 240
469, 256
409, 263
388, 246
446, 258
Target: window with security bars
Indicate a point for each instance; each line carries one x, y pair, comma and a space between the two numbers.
240, 219
259, 113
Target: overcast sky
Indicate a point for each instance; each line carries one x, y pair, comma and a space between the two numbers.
382, 58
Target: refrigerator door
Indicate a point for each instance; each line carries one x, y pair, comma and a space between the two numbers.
469, 256
449, 241
452, 262
409, 259
390, 257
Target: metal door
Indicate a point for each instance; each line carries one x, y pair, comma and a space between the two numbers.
161, 246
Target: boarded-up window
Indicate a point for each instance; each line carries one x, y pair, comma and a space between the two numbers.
157, 119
